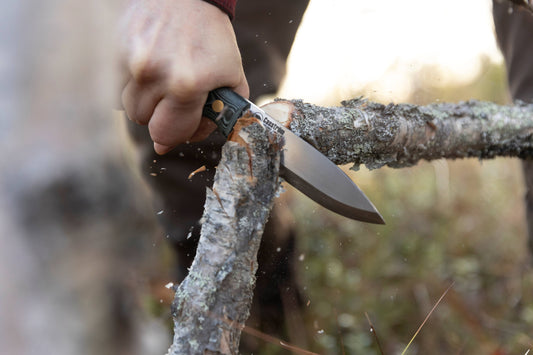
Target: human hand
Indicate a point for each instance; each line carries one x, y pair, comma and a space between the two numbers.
174, 52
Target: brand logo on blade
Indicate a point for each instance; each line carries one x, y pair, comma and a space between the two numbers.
269, 123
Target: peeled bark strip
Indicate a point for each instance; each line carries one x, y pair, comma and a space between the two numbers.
364, 132
213, 302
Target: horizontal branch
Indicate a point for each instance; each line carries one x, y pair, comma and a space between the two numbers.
364, 132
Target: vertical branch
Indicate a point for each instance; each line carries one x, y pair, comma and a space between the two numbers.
212, 304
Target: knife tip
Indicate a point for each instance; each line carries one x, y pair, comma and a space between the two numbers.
377, 219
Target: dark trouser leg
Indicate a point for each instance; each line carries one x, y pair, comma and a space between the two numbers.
514, 30
265, 32
528, 176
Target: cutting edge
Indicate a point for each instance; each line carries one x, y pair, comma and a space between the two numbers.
351, 203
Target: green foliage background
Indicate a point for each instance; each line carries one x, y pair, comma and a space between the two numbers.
458, 222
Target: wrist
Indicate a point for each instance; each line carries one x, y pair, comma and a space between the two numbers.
228, 6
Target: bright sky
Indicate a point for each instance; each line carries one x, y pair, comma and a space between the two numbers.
344, 45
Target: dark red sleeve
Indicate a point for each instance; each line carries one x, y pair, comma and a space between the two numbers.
228, 6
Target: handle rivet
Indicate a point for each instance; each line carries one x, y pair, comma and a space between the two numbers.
217, 106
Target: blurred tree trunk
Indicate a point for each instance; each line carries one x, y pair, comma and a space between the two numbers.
212, 304
74, 221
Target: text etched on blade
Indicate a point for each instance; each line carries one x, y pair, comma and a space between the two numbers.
272, 125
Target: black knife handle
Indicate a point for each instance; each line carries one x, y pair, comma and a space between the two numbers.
224, 106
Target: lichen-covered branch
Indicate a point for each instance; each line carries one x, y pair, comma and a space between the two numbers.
364, 132
213, 302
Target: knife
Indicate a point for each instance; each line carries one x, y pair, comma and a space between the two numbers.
302, 165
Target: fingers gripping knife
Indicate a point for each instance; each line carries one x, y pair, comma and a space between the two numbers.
302, 165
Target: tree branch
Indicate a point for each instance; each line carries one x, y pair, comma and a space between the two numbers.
213, 302
364, 132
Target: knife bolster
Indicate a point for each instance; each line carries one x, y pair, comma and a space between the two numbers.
225, 107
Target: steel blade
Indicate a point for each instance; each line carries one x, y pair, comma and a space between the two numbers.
319, 178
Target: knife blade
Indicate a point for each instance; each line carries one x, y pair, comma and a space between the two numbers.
302, 165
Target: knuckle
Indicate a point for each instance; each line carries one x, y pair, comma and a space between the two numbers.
187, 86
144, 69
143, 63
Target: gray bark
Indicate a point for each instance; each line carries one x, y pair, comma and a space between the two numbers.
364, 132
213, 302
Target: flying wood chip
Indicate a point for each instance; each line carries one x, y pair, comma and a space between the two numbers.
199, 170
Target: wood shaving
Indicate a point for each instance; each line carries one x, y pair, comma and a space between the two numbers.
199, 170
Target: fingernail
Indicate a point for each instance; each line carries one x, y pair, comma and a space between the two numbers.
161, 149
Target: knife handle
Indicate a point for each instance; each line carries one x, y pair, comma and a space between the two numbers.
224, 107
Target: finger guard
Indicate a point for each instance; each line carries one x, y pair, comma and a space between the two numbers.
225, 107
